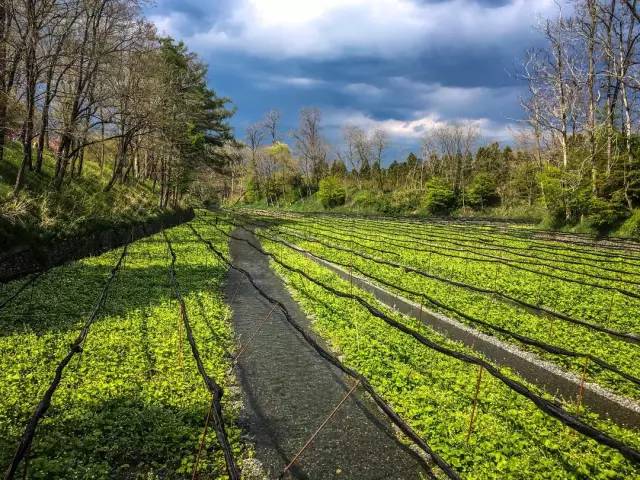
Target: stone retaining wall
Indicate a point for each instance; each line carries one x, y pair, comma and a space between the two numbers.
27, 259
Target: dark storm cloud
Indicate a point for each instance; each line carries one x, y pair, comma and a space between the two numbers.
405, 65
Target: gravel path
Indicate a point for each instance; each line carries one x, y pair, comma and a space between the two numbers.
289, 390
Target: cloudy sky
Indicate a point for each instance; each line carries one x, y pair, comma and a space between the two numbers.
404, 65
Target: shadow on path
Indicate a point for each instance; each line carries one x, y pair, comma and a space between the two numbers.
289, 390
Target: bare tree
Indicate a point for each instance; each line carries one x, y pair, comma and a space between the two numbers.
448, 150
379, 142
311, 147
271, 124
254, 135
95, 72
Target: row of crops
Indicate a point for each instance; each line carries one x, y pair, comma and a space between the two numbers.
570, 302
148, 347
133, 400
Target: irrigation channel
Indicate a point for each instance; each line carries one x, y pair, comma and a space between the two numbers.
543, 374
320, 348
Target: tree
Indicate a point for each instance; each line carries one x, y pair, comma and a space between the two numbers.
379, 141
338, 169
271, 123
482, 191
439, 198
448, 152
311, 147
95, 73
331, 192
254, 136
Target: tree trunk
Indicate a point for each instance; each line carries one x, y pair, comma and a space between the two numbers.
592, 98
102, 148
62, 160
43, 133
119, 161
627, 134
3, 76
80, 162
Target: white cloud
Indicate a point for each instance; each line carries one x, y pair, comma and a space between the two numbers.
299, 82
417, 127
170, 24
454, 100
335, 28
363, 90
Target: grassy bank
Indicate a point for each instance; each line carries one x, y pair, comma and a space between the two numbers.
40, 213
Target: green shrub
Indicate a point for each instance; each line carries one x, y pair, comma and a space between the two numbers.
482, 191
386, 206
603, 214
252, 194
553, 197
363, 199
406, 200
331, 193
439, 199
372, 202
631, 227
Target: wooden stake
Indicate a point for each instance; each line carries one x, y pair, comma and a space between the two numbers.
322, 425
539, 302
180, 353
583, 379
610, 306
474, 409
194, 474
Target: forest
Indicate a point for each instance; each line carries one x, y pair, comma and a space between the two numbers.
92, 83
100, 117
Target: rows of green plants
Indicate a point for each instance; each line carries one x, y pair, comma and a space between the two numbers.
524, 240
561, 256
601, 273
133, 404
545, 237
510, 437
521, 239
604, 306
605, 301
487, 308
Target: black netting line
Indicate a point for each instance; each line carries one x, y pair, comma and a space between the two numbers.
534, 237
471, 245
627, 337
487, 238
553, 349
74, 348
384, 406
215, 389
517, 264
622, 291
20, 289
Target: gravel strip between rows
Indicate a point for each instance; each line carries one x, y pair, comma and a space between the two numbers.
288, 390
